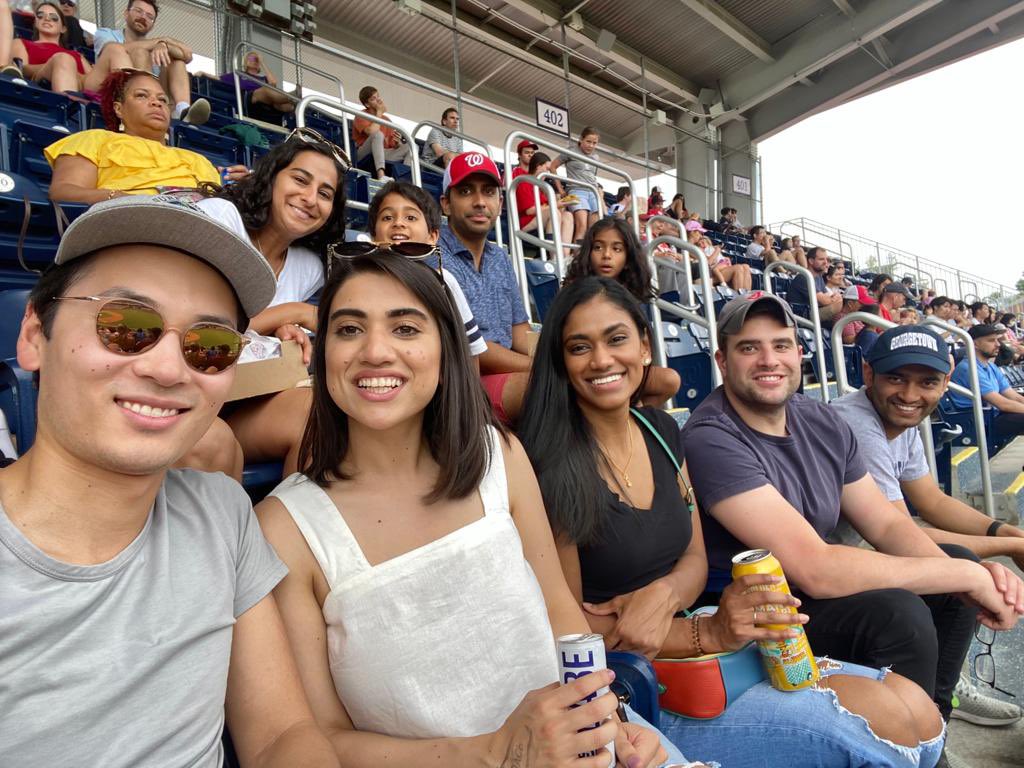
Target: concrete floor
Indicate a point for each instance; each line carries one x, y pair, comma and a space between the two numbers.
995, 747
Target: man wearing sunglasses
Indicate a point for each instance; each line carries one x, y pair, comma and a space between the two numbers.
135, 602
165, 57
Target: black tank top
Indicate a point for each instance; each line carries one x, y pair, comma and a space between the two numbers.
635, 547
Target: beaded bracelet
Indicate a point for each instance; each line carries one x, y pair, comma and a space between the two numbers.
695, 632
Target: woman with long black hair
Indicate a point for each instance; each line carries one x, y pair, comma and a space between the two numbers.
629, 539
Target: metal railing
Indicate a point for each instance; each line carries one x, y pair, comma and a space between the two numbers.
567, 182
706, 318
238, 70
484, 146
517, 236
814, 324
518, 263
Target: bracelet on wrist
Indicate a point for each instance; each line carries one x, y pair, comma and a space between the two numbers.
695, 634
993, 530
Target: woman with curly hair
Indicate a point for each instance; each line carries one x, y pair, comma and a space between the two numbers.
130, 156
290, 208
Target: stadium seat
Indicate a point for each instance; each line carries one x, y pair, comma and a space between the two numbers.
17, 390
39, 105
636, 684
28, 140
693, 365
964, 419
40, 234
259, 479
543, 283
218, 149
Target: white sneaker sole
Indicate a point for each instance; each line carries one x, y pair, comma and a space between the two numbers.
991, 722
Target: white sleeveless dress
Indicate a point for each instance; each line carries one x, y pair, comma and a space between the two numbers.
443, 640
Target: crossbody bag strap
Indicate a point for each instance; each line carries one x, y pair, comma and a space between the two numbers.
671, 457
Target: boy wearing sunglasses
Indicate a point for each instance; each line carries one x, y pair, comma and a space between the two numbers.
135, 601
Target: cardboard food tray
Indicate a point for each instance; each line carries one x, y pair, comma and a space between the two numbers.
262, 377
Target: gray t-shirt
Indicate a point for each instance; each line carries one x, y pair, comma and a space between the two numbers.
125, 663
448, 142
809, 466
890, 462
577, 169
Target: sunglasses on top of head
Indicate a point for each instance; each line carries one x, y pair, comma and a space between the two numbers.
411, 250
309, 136
129, 327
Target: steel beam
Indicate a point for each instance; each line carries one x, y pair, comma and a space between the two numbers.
732, 28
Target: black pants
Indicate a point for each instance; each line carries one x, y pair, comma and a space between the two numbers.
1009, 425
923, 638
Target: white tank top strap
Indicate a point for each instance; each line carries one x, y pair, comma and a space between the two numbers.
494, 486
329, 538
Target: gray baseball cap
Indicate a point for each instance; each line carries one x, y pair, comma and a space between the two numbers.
734, 314
173, 222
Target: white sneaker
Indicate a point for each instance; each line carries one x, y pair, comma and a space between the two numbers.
972, 705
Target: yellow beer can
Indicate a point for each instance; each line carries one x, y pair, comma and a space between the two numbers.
789, 663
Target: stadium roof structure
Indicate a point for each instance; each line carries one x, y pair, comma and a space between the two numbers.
767, 63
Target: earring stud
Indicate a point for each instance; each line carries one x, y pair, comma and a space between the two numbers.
647, 361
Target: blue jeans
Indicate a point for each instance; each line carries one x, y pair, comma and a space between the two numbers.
675, 757
588, 200
798, 729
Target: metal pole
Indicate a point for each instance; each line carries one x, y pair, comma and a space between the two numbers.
647, 135
565, 70
977, 406
455, 61
814, 323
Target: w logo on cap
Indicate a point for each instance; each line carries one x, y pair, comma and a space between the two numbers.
474, 160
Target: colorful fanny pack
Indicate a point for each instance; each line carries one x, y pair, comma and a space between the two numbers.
703, 687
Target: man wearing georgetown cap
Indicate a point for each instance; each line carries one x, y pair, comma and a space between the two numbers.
136, 612
471, 198
905, 375
773, 469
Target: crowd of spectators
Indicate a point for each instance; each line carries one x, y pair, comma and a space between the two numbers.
413, 524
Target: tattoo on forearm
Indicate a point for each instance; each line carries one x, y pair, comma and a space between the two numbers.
518, 754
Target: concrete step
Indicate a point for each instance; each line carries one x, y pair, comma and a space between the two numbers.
1007, 470
966, 470
680, 415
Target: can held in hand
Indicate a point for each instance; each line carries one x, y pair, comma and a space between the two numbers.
789, 663
580, 655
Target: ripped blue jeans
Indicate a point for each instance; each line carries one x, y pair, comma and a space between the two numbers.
798, 729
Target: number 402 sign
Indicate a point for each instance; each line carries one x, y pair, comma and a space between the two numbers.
552, 117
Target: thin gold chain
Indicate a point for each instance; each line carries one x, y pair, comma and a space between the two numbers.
624, 470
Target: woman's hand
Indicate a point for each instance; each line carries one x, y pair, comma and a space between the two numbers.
638, 747
544, 730
233, 172
293, 332
644, 618
740, 619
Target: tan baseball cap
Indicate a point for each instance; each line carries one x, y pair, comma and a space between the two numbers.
178, 223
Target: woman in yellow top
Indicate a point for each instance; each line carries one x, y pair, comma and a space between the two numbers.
132, 157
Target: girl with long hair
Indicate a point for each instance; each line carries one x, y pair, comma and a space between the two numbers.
586, 208
424, 594
629, 539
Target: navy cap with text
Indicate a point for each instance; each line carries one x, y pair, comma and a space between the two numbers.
909, 345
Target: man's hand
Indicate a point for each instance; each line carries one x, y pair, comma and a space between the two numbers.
644, 618
638, 747
1008, 583
160, 55
993, 610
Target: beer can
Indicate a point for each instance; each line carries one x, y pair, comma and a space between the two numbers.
789, 663
580, 655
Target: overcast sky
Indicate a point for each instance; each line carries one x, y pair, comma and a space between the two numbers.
933, 166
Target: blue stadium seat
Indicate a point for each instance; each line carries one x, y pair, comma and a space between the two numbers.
260, 479
636, 684
40, 234
17, 391
218, 149
964, 419
28, 140
37, 104
22, 24
693, 365
543, 282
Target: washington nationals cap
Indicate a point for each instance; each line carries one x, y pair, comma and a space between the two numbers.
467, 164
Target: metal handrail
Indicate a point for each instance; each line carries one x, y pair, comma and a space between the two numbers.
464, 136
814, 324
843, 384
707, 319
945, 286
518, 262
688, 281
519, 236
238, 67
977, 406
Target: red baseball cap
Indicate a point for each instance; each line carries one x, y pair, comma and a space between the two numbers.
864, 296
524, 144
468, 164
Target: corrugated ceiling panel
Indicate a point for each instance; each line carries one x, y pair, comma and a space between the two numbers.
764, 18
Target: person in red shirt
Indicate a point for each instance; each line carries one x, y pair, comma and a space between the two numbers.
525, 150
384, 143
45, 58
894, 296
541, 163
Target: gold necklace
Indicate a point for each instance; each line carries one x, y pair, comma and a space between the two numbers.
259, 247
623, 471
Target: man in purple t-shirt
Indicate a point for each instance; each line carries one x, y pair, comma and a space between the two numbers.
773, 469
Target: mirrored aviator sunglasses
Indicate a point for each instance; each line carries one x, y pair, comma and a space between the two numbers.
309, 136
129, 327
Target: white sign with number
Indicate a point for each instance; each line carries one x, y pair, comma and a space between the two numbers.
740, 185
552, 117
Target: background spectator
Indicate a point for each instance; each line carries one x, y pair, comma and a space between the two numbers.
894, 298
586, 211
622, 207
829, 301
46, 57
524, 151
441, 146
265, 100
75, 36
760, 246
381, 142
541, 163
165, 57
677, 208
878, 284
